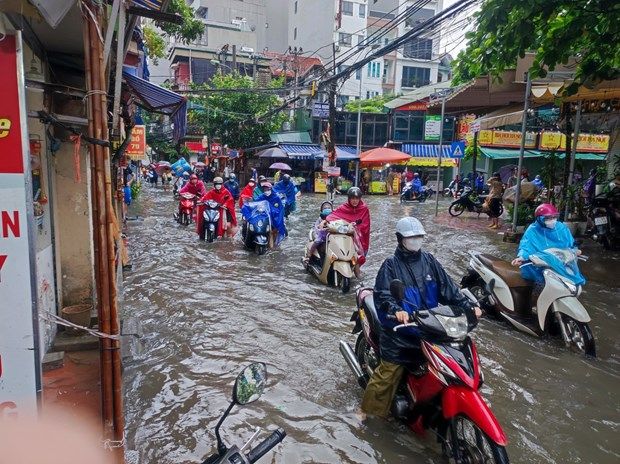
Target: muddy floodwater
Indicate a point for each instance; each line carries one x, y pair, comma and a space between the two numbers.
206, 310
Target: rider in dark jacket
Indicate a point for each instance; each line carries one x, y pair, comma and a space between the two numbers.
427, 285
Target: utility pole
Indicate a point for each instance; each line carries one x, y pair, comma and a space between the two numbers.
331, 146
526, 106
572, 159
475, 159
359, 131
443, 114
234, 58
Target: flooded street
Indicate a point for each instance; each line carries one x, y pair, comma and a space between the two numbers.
206, 310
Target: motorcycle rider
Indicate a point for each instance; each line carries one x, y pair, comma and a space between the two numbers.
276, 211
426, 286
320, 230
258, 190
356, 211
416, 185
232, 186
287, 187
194, 186
247, 194
220, 194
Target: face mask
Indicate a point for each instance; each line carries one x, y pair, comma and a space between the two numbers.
550, 223
267, 193
218, 186
413, 243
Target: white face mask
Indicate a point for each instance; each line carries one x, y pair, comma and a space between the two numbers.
550, 223
267, 193
413, 243
218, 186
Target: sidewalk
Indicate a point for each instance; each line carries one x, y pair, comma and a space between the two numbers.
471, 221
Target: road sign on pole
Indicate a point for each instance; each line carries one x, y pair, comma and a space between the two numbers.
457, 149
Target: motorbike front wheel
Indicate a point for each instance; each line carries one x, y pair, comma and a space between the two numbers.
346, 284
210, 236
456, 209
580, 335
261, 249
469, 444
366, 356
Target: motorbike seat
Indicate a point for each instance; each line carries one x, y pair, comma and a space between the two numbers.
509, 274
369, 305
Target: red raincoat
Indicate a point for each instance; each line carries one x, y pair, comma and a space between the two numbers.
197, 189
246, 194
224, 198
351, 214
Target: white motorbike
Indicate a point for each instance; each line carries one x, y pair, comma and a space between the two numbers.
499, 288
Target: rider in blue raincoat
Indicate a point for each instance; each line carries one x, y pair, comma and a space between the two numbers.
416, 184
232, 186
287, 187
544, 233
277, 211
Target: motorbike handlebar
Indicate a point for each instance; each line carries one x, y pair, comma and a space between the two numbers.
409, 324
266, 445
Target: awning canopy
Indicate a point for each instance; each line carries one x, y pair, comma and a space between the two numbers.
423, 150
307, 151
502, 153
291, 137
502, 117
343, 153
156, 99
418, 94
602, 91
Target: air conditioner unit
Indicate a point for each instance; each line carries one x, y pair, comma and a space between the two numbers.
247, 49
236, 22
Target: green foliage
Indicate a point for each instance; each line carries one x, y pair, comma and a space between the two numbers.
555, 30
161, 143
601, 173
231, 116
370, 105
190, 30
136, 188
525, 214
156, 45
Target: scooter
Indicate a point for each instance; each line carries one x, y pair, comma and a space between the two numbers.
471, 202
333, 262
249, 387
256, 228
501, 290
186, 208
407, 194
212, 214
605, 215
443, 394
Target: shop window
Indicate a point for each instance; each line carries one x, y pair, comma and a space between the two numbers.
421, 49
362, 11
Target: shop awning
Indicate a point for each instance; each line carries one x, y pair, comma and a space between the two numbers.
502, 153
300, 151
159, 100
425, 150
343, 153
499, 118
421, 93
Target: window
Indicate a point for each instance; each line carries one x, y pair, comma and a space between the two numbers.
295, 7
415, 77
344, 39
295, 34
362, 11
367, 94
409, 126
358, 74
386, 41
418, 17
374, 69
360, 41
203, 12
421, 49
347, 8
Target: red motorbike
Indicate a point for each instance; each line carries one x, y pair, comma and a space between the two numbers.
187, 203
442, 394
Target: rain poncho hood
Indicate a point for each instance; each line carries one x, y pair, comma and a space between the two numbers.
353, 214
224, 198
536, 240
246, 194
197, 189
287, 188
233, 187
277, 214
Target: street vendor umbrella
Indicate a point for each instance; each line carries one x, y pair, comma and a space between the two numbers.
280, 166
275, 152
161, 165
382, 155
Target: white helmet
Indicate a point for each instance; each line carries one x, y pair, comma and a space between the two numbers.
409, 227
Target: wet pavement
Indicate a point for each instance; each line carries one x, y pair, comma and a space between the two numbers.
208, 309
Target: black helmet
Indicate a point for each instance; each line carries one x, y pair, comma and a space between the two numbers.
354, 192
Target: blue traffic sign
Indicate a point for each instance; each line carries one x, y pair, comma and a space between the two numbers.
457, 149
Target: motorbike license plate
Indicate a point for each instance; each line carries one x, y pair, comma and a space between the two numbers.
601, 220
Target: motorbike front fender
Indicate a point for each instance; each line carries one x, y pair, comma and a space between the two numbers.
572, 307
345, 268
458, 400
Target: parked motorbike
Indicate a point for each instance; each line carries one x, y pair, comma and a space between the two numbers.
186, 209
471, 202
333, 262
407, 194
256, 227
249, 387
453, 190
501, 290
441, 395
212, 214
605, 215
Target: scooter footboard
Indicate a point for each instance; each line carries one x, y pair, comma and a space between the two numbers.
458, 400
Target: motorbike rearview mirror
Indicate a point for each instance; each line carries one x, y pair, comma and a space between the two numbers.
250, 383
397, 289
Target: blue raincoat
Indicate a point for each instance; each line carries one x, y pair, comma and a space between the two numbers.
233, 187
536, 240
277, 214
416, 184
287, 188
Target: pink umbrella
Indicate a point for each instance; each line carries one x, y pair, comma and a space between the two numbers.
199, 164
280, 166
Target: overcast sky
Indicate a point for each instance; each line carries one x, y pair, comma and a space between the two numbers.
448, 43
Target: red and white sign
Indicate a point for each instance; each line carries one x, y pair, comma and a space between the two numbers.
415, 106
18, 364
136, 149
195, 147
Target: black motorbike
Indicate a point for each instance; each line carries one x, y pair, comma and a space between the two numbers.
605, 216
249, 387
407, 195
470, 201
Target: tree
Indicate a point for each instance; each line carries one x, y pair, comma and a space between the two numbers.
231, 116
190, 30
555, 30
155, 44
370, 105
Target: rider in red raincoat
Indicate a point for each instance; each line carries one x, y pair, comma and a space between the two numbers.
356, 211
220, 194
247, 193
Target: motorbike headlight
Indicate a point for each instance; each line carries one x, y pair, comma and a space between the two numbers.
343, 229
569, 285
455, 327
252, 227
268, 228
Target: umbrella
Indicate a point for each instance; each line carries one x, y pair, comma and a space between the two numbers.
161, 165
199, 164
280, 166
505, 172
383, 155
274, 152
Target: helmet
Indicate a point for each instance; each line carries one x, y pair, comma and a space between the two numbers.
415, 174
537, 176
218, 180
232, 176
546, 209
286, 177
354, 192
193, 176
266, 185
409, 227
185, 174
261, 178
466, 181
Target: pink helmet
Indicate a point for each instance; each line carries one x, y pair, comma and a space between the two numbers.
546, 209
266, 185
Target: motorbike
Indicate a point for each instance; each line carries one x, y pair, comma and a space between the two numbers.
186, 209
469, 201
453, 190
557, 310
407, 194
249, 386
212, 214
605, 215
285, 203
333, 262
443, 393
256, 227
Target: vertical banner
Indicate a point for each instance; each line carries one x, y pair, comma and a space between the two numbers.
136, 148
19, 353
